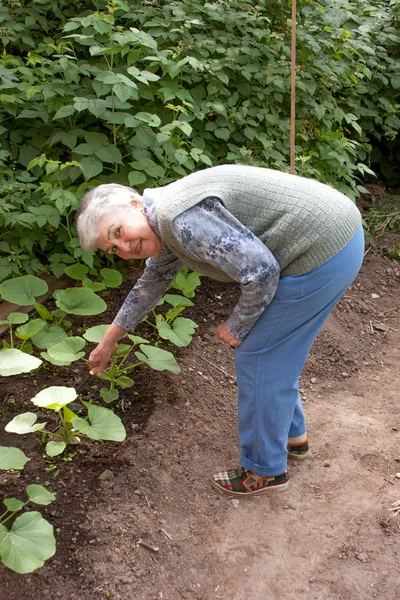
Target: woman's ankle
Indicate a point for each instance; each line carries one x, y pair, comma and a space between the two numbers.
298, 439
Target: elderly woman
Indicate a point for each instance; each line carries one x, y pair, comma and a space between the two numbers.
293, 244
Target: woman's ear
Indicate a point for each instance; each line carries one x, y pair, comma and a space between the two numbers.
136, 202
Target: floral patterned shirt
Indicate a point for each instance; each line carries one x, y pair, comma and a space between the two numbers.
212, 234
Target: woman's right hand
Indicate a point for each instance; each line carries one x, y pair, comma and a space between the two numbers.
100, 358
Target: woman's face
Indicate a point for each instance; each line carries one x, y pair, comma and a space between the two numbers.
127, 233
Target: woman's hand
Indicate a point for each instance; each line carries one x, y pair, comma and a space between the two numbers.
100, 358
223, 335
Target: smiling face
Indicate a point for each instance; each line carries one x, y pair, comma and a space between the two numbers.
127, 233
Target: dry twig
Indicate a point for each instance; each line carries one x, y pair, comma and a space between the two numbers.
154, 549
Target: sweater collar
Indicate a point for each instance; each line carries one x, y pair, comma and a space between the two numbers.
150, 208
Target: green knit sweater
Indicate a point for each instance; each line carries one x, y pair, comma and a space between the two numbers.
303, 222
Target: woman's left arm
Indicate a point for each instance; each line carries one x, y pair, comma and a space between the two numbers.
212, 234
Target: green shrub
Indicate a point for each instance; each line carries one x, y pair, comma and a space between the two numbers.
143, 93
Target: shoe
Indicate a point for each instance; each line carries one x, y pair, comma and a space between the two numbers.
241, 482
298, 451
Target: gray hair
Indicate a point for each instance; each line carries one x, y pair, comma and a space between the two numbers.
101, 200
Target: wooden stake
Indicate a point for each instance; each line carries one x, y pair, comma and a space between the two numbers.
293, 92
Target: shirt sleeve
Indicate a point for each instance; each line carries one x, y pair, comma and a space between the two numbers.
159, 272
212, 234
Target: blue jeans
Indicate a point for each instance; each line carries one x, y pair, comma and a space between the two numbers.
271, 358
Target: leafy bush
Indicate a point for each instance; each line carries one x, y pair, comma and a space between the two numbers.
143, 93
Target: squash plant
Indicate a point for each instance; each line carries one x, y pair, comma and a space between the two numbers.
100, 424
172, 327
116, 374
30, 541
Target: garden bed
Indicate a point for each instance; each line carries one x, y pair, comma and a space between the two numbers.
330, 530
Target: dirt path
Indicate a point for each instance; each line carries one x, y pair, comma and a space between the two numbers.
326, 538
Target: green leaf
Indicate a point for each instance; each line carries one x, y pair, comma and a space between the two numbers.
109, 154
136, 178
91, 166
25, 332
55, 397
222, 133
124, 381
68, 350
43, 312
150, 118
80, 301
28, 544
14, 504
109, 395
136, 339
24, 423
65, 111
158, 359
23, 290
12, 458
15, 362
94, 334
77, 271
49, 336
55, 448
103, 424
39, 495
111, 278
15, 318
53, 361
124, 91
176, 300
180, 333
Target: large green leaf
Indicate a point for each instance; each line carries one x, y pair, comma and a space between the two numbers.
179, 333
94, 334
28, 544
14, 362
24, 423
68, 350
176, 300
111, 277
158, 359
39, 495
12, 458
49, 336
23, 290
77, 271
103, 424
54, 397
80, 301
25, 332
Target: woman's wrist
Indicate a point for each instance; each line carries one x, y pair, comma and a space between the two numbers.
113, 334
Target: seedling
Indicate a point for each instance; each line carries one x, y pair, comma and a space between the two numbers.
116, 374
177, 330
101, 423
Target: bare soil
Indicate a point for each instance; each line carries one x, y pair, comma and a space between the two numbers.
329, 536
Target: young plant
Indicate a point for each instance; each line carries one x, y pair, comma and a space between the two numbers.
110, 277
187, 282
100, 424
116, 374
30, 541
178, 330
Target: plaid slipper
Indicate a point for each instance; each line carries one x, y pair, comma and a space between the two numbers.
298, 451
240, 482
